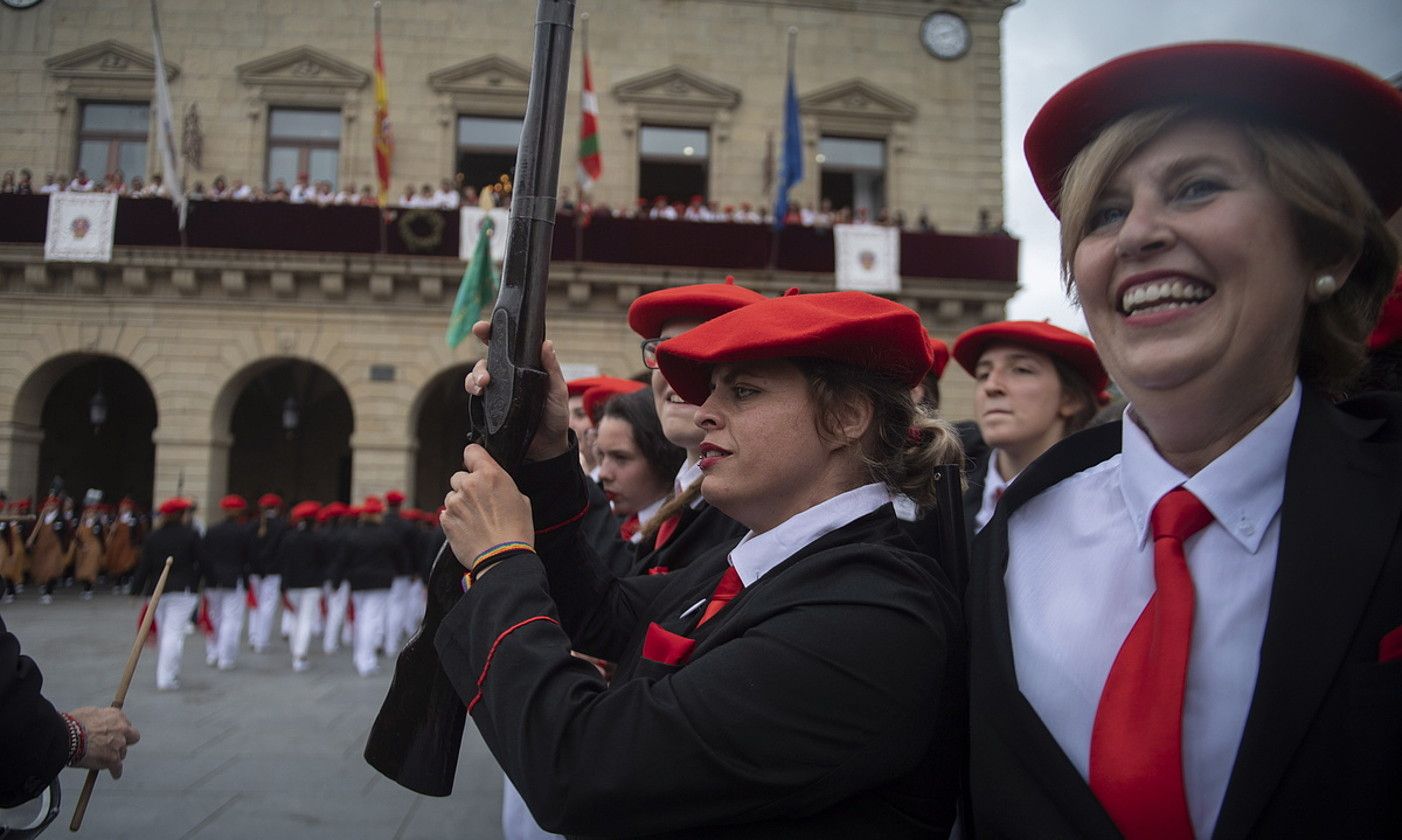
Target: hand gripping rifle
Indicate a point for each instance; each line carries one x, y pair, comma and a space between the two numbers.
417, 735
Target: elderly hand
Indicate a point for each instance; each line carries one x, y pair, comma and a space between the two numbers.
484, 509
109, 734
552, 435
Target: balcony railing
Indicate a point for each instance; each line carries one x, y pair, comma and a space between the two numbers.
603, 239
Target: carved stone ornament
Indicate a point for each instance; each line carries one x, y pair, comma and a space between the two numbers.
108, 61
305, 67
666, 86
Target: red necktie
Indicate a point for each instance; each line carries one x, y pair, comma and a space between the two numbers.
728, 588
629, 528
665, 530
1136, 746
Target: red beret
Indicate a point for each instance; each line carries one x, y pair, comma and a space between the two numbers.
372, 505
1073, 348
1389, 328
940, 350
700, 302
329, 511
305, 510
269, 500
353, 510
173, 506
606, 389
1346, 108
24, 504
233, 502
394, 497
577, 387
856, 328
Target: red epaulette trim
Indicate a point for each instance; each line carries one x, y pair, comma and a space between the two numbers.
493, 652
558, 525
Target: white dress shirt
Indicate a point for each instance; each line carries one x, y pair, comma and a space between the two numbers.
1081, 569
754, 556
645, 516
993, 487
689, 474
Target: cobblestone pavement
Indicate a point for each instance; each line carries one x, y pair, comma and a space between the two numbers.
257, 752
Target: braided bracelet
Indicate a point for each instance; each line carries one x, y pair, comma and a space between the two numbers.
77, 739
489, 558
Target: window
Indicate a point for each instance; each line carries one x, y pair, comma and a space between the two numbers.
111, 136
673, 162
853, 173
303, 141
487, 149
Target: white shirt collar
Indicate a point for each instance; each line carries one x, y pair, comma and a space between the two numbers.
755, 556
689, 474
993, 487
645, 515
1243, 487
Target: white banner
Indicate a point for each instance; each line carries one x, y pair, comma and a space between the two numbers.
472, 222
80, 227
868, 257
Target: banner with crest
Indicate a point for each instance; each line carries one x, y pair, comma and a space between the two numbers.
868, 258
80, 227
472, 218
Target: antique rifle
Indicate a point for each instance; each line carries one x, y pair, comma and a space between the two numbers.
416, 737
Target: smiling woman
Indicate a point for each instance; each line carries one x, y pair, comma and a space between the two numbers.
1201, 604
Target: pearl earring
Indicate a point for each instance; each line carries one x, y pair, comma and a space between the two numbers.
1325, 285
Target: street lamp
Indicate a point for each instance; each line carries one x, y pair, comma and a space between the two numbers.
291, 416
97, 410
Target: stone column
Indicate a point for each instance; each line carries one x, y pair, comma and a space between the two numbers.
379, 464
191, 465
19, 448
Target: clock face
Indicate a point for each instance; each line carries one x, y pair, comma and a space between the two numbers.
945, 35
20, 4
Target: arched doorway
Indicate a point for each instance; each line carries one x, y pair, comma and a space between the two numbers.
441, 433
97, 420
290, 425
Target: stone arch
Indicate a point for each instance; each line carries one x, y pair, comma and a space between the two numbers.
438, 426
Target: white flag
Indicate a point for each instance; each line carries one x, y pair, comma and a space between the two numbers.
165, 134
472, 218
868, 257
80, 227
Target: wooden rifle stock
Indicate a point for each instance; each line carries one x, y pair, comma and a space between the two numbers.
416, 737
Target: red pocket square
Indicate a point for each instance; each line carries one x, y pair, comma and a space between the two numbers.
1390, 648
666, 647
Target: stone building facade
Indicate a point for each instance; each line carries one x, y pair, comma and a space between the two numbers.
206, 330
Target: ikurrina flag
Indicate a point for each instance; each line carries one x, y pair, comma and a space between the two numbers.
384, 137
477, 290
591, 164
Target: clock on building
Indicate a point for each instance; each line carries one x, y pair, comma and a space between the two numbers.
21, 4
945, 35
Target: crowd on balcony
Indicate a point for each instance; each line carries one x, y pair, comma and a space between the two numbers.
452, 193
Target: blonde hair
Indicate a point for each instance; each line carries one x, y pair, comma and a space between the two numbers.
905, 442
1333, 217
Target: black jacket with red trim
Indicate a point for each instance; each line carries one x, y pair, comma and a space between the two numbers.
701, 528
825, 700
33, 735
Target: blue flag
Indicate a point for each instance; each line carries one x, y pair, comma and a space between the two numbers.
791, 165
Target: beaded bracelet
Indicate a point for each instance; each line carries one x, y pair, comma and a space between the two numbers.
77, 739
488, 559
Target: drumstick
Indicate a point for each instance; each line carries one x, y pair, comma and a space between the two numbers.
122, 687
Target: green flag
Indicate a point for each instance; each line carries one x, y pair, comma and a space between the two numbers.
477, 290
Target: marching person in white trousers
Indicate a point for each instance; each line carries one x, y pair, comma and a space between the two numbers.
174, 539
334, 523
372, 554
226, 557
303, 567
267, 571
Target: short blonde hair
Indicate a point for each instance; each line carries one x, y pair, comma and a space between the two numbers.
1333, 216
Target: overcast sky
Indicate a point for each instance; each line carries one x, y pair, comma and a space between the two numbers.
1046, 43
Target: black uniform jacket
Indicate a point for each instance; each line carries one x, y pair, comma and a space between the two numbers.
266, 559
336, 540
170, 540
226, 554
304, 556
700, 529
373, 553
33, 736
408, 537
1321, 753
825, 700
600, 528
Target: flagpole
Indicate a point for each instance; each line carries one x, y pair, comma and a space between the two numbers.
778, 223
579, 168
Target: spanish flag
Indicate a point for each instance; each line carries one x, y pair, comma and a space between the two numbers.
384, 137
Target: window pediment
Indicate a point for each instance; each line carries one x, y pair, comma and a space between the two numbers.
108, 61
677, 86
305, 68
489, 85
858, 99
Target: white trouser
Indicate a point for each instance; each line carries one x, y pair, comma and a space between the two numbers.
336, 600
260, 624
516, 820
308, 604
226, 610
369, 627
418, 604
172, 616
289, 616
394, 615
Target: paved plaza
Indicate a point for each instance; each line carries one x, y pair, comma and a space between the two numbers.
257, 752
